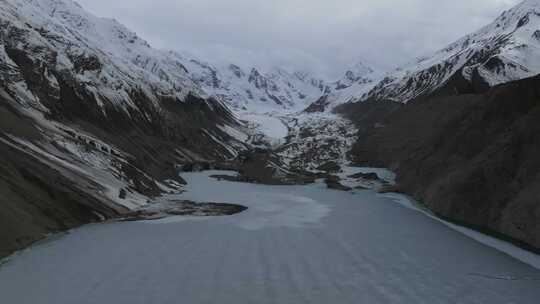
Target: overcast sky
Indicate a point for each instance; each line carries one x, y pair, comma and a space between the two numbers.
321, 36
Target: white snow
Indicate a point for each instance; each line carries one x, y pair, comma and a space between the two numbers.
359, 248
382, 173
511, 38
267, 124
252, 89
271, 126
356, 82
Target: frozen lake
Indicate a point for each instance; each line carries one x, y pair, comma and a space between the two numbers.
295, 244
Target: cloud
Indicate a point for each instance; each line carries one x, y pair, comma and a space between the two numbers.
316, 35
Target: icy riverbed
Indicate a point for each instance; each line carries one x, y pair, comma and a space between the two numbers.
295, 244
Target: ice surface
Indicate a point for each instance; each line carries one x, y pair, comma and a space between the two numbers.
267, 124
357, 248
508, 248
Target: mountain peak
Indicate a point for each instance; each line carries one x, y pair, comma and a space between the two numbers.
361, 69
505, 50
356, 74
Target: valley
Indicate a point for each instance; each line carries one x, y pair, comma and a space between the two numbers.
136, 174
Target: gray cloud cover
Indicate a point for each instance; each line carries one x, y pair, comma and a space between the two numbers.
321, 36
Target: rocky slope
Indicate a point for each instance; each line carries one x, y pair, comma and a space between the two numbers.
93, 120
461, 127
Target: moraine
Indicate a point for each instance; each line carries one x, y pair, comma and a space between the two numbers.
295, 244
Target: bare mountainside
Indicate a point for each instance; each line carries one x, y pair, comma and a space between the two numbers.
463, 133
93, 120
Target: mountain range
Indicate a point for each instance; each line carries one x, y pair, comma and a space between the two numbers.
95, 122
506, 50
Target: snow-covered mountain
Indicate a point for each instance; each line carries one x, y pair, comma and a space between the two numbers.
253, 89
506, 50
356, 81
107, 57
359, 74
54, 49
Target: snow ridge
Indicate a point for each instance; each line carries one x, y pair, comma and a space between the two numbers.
357, 81
109, 58
252, 89
506, 50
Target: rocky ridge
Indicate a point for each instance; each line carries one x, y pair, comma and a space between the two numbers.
508, 49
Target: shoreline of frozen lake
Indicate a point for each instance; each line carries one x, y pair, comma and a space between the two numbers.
294, 244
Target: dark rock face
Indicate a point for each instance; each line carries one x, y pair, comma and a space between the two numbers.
37, 200
174, 208
318, 106
536, 35
333, 182
368, 115
366, 176
258, 80
265, 167
471, 158
330, 167
237, 71
86, 63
